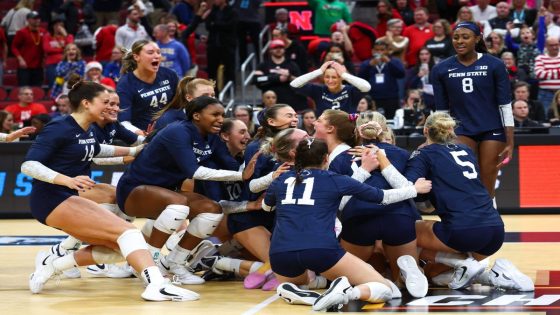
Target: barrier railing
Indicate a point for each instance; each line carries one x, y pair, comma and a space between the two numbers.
247, 78
263, 47
229, 88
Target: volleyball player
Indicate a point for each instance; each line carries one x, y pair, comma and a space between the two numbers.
474, 87
59, 162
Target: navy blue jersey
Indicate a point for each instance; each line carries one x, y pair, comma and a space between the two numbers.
230, 190
346, 100
306, 212
472, 94
264, 165
113, 131
343, 165
172, 115
172, 156
141, 100
65, 147
460, 198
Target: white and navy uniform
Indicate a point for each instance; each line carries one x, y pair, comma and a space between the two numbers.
140, 100
113, 131
346, 100
469, 221
304, 234
365, 222
473, 95
173, 155
66, 148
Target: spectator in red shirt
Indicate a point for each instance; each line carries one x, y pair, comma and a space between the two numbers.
3, 53
29, 52
385, 12
283, 21
418, 34
105, 41
25, 109
53, 47
94, 73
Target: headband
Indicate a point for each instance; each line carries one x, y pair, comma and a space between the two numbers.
470, 26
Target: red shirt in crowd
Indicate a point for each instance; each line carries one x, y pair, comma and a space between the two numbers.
24, 113
417, 38
105, 42
3, 41
53, 47
28, 45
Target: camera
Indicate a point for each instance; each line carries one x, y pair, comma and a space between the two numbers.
377, 56
517, 23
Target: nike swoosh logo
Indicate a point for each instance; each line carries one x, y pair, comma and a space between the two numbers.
464, 271
495, 273
453, 69
162, 291
176, 219
140, 90
102, 266
496, 134
77, 135
45, 260
164, 266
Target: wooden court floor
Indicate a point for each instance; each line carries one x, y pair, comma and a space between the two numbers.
532, 243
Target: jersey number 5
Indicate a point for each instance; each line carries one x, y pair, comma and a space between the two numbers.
305, 199
472, 174
468, 86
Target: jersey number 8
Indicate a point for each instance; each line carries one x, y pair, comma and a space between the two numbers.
470, 175
468, 86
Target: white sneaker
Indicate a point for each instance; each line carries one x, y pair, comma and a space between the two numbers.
443, 279
110, 271
174, 239
204, 248
505, 275
291, 294
395, 291
335, 296
44, 270
168, 292
415, 281
58, 251
465, 273
181, 273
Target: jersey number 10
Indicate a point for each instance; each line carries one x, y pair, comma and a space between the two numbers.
305, 199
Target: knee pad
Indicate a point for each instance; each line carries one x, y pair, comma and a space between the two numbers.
131, 241
147, 228
171, 218
105, 255
378, 292
204, 224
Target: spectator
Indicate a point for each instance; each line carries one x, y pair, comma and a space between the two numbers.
521, 91
184, 10
398, 44
515, 74
29, 52
405, 11
339, 36
521, 115
25, 108
417, 34
249, 24
483, 11
418, 77
71, 63
94, 72
367, 104
38, 122
382, 72
328, 12
175, 55
282, 20
307, 119
413, 114
106, 13
547, 67
16, 18
499, 23
294, 49
7, 124
62, 106
276, 72
495, 44
113, 69
3, 54
269, 98
245, 114
440, 45
105, 42
53, 46
385, 12
527, 51
77, 13
554, 111
465, 15
132, 31
520, 14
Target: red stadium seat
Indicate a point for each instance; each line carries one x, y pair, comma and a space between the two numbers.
3, 94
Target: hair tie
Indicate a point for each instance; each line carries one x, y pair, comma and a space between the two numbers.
353, 117
75, 84
309, 142
374, 124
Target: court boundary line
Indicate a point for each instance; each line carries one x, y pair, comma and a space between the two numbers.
255, 309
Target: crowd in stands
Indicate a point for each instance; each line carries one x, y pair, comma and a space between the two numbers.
44, 43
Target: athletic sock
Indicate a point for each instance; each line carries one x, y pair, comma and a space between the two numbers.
178, 255
65, 262
449, 259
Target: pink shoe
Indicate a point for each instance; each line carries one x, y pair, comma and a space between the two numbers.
271, 284
256, 280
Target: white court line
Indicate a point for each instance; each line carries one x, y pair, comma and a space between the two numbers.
255, 309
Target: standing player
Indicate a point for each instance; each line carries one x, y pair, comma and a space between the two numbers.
59, 162
333, 94
144, 87
470, 225
474, 87
306, 202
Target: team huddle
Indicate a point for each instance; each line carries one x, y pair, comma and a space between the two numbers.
293, 213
